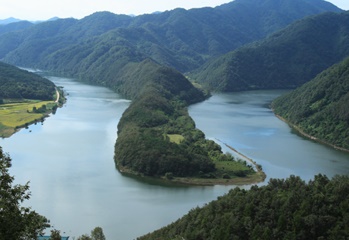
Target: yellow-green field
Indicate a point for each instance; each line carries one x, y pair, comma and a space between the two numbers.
15, 115
175, 138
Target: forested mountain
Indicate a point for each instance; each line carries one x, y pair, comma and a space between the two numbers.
283, 209
15, 26
320, 107
17, 83
286, 59
142, 145
9, 20
181, 39
158, 138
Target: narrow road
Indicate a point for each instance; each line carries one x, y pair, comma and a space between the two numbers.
57, 93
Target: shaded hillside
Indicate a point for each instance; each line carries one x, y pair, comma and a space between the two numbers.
286, 59
183, 39
320, 107
283, 209
17, 83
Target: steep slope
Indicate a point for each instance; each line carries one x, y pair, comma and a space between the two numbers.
320, 107
181, 39
286, 59
17, 83
283, 209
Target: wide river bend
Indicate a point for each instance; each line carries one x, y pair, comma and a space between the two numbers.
69, 160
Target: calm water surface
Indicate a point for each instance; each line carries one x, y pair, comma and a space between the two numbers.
69, 163
244, 121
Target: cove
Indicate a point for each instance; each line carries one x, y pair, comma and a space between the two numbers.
244, 121
73, 180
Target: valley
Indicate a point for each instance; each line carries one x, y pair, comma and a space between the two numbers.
135, 120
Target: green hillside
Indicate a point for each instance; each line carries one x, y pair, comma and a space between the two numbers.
320, 107
283, 209
286, 59
158, 138
21, 84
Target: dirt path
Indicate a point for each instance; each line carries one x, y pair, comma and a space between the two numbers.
256, 166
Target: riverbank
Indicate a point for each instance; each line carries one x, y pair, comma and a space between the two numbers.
18, 114
257, 177
301, 132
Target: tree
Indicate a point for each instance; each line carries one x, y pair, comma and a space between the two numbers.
84, 237
97, 234
55, 235
16, 222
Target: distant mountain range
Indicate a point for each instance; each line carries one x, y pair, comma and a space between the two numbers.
182, 39
14, 20
9, 20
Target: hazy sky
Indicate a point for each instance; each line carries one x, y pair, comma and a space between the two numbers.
45, 9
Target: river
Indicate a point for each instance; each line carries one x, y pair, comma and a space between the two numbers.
244, 121
69, 160
73, 180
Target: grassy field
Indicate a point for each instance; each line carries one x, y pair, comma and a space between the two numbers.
175, 138
17, 115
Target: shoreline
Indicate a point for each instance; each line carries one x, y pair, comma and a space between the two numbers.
257, 167
258, 177
301, 132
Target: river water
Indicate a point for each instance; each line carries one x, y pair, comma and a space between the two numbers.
73, 180
244, 121
69, 160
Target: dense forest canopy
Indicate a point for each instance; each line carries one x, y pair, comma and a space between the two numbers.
286, 59
320, 107
21, 84
283, 209
157, 114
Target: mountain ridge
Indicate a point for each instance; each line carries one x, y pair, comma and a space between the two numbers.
286, 59
183, 39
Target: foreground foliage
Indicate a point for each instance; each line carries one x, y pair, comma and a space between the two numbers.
320, 107
283, 209
16, 222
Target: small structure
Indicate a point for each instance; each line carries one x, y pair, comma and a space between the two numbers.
48, 238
